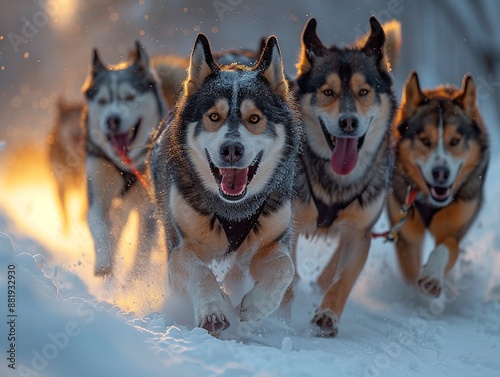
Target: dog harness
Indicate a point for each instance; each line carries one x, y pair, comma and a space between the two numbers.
129, 178
426, 212
327, 214
391, 235
237, 231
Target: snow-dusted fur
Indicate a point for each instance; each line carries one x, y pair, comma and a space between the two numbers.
223, 173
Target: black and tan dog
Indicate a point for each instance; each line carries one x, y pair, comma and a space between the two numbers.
442, 150
347, 102
223, 173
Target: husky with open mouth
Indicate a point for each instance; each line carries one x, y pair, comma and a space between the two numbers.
347, 102
442, 151
223, 173
123, 106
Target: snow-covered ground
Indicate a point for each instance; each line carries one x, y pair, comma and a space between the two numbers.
69, 323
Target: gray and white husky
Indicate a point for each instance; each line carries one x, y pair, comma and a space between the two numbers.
223, 173
123, 106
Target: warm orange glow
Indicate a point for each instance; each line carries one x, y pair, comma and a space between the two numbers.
62, 12
27, 197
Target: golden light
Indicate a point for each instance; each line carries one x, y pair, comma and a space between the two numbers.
61, 11
28, 199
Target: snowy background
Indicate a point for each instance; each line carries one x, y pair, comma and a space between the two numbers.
72, 324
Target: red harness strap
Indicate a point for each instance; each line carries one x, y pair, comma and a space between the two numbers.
128, 161
391, 235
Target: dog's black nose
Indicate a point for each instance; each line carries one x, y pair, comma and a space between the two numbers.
441, 174
231, 151
348, 124
113, 124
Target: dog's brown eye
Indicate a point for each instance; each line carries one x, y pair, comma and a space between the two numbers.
214, 117
426, 142
129, 97
328, 92
363, 92
254, 119
101, 101
455, 141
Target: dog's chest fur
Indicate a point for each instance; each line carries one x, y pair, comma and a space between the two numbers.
220, 236
322, 197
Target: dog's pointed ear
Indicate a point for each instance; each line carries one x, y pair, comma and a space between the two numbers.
97, 65
141, 59
467, 100
375, 44
270, 65
392, 44
201, 65
311, 47
413, 96
262, 45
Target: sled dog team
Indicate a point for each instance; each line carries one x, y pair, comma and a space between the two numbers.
248, 160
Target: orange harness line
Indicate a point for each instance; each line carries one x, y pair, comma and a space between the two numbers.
391, 235
128, 161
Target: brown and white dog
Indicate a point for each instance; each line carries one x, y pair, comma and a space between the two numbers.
442, 150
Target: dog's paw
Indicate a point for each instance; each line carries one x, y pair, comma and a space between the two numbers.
326, 323
209, 315
259, 303
429, 286
214, 324
432, 276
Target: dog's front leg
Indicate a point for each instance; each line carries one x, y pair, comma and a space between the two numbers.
190, 275
286, 304
348, 260
147, 240
105, 235
104, 218
440, 262
272, 269
410, 241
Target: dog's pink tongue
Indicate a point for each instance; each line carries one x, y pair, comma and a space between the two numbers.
120, 141
234, 181
345, 155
